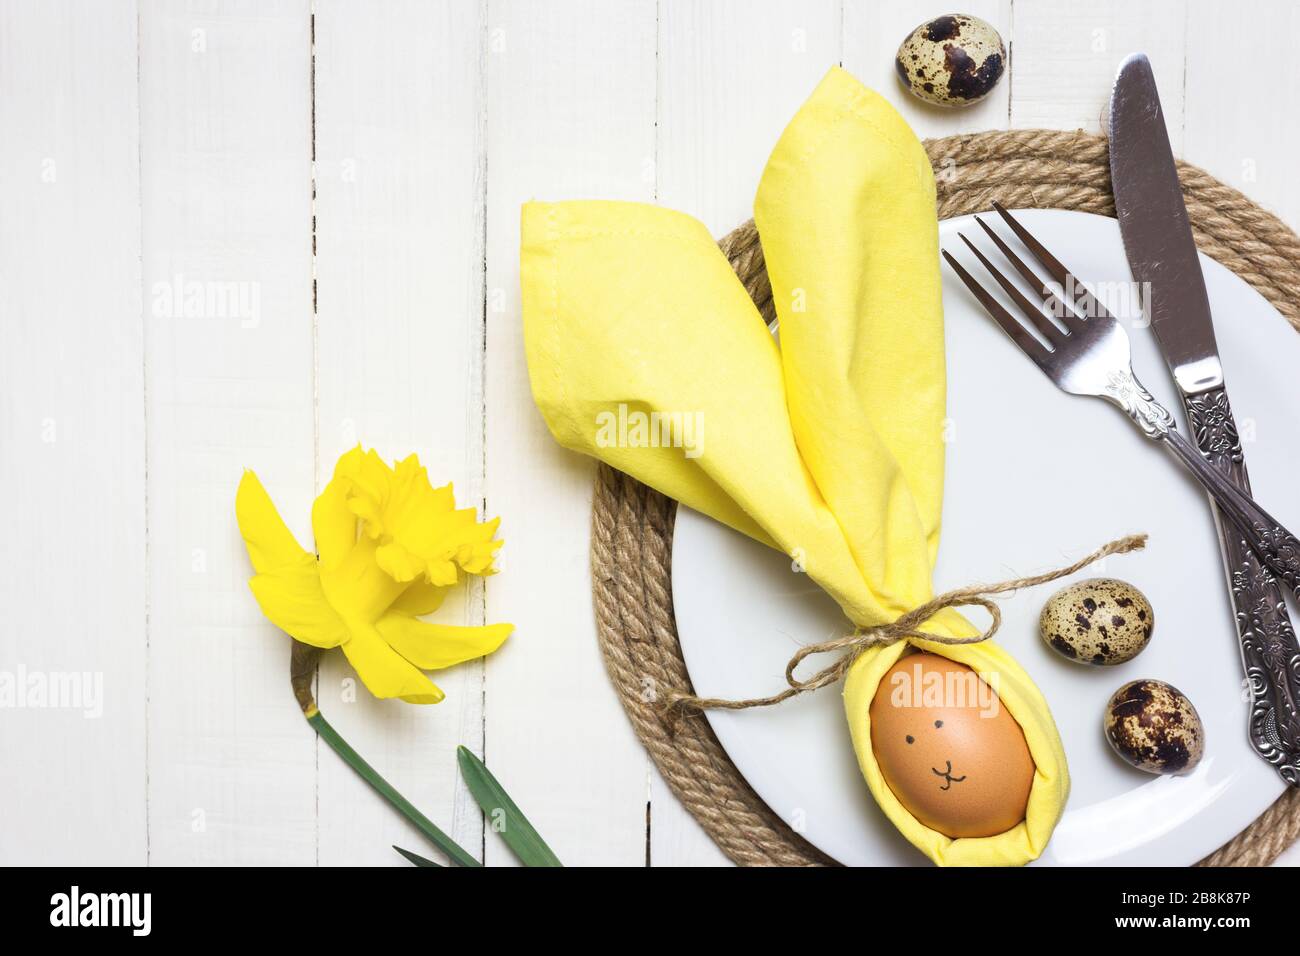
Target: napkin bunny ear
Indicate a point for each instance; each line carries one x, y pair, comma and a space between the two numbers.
633, 318
845, 212
829, 447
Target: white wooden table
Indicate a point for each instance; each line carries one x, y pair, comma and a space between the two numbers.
253, 232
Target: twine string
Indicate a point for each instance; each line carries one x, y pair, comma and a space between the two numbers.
905, 627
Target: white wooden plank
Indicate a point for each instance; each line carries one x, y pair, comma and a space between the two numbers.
72, 427
571, 110
399, 219
1065, 54
226, 165
731, 75
1241, 71
872, 34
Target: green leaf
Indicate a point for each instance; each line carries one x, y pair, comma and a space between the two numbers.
416, 858
519, 834
368, 773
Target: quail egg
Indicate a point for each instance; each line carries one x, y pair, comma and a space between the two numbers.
1099, 621
1153, 726
953, 60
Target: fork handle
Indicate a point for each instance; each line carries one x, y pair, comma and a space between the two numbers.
1277, 547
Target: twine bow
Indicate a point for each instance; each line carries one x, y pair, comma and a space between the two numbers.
901, 628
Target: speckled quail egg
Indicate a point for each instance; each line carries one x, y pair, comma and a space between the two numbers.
1153, 726
1098, 621
953, 60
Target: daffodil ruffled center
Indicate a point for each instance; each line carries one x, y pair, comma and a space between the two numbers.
417, 529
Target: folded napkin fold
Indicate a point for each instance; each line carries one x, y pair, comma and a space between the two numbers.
828, 447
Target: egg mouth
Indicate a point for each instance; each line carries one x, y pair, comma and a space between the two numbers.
948, 778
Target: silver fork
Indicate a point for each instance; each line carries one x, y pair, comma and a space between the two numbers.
1088, 354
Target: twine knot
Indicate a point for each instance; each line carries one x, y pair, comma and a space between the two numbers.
905, 627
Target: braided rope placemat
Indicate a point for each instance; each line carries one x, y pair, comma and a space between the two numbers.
632, 526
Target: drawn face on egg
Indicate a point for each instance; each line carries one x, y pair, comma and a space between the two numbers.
948, 749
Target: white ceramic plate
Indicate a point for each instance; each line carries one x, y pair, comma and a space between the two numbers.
1035, 478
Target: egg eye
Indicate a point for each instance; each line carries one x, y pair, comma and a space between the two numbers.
911, 739
938, 723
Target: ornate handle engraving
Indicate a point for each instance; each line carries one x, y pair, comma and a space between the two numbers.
1269, 651
1123, 388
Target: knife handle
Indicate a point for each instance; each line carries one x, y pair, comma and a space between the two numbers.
1277, 547
1270, 653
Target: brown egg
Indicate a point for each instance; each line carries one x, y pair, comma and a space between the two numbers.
949, 750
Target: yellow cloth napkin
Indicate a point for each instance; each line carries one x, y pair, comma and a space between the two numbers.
828, 447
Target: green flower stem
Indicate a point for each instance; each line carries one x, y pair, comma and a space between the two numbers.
302, 668
388, 791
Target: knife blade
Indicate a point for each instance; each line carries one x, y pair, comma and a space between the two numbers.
1162, 255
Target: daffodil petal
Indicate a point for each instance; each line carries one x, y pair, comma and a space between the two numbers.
291, 597
358, 588
269, 541
420, 598
333, 524
433, 646
386, 672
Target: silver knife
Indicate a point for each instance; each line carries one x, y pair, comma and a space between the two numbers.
1162, 255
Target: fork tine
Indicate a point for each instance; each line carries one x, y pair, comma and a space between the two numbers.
1018, 333
1031, 311
1072, 286
1063, 313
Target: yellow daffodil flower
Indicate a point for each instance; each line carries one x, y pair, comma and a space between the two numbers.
390, 546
